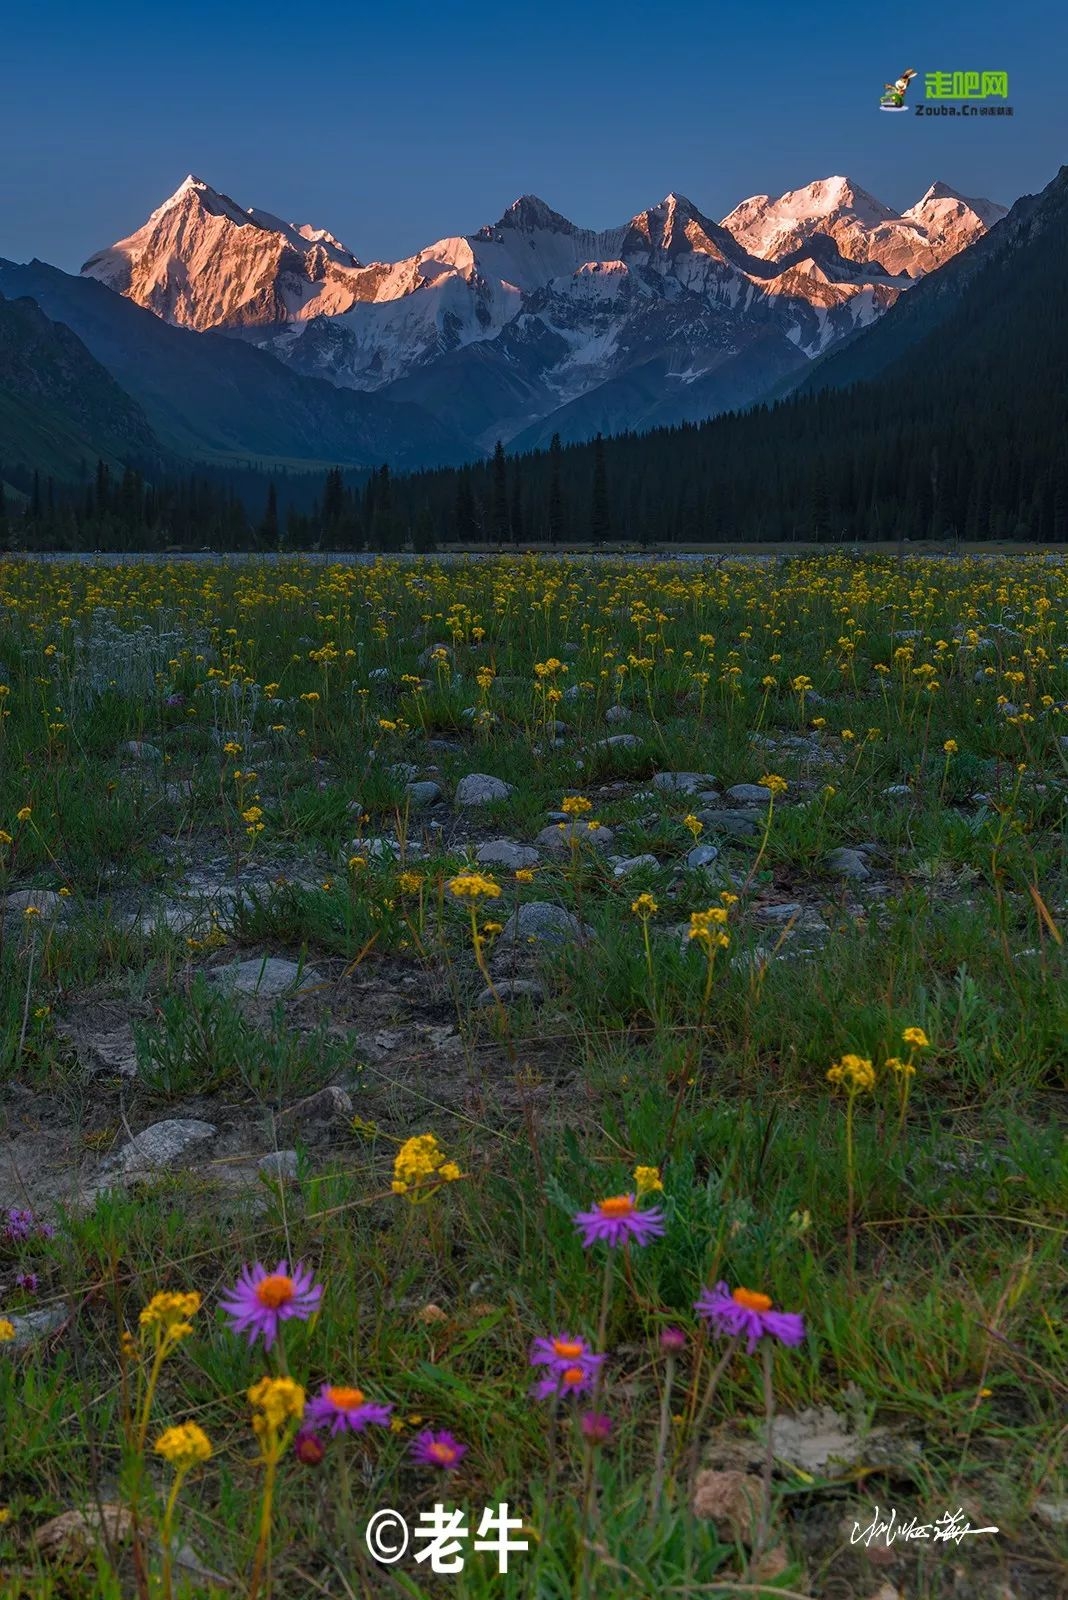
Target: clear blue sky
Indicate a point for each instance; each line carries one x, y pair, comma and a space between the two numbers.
397, 123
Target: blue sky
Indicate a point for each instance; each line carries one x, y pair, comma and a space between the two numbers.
395, 124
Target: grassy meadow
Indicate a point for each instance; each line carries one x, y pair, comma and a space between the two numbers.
373, 923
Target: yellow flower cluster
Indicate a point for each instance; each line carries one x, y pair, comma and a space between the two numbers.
420, 1165
645, 906
474, 886
575, 805
7, 1330
279, 1400
647, 1180
184, 1447
167, 1315
707, 928
854, 1072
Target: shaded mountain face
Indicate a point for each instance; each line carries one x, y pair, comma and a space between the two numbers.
532, 317
217, 399
59, 408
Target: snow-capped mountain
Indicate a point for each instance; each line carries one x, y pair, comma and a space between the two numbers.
533, 324
913, 241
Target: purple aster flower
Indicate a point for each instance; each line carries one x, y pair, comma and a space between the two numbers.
260, 1300
440, 1450
575, 1379
745, 1311
596, 1427
344, 1410
618, 1221
563, 1350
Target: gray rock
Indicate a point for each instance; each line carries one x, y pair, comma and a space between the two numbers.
480, 789
619, 741
379, 675
47, 901
897, 791
844, 863
142, 751
506, 853
622, 868
803, 918
327, 1105
30, 1326
268, 975
749, 794
1053, 1512
540, 922
279, 1165
617, 714
682, 782
422, 794
702, 855
159, 1145
511, 989
178, 791
732, 824
557, 839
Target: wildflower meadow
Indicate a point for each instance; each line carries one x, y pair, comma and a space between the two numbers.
536, 1077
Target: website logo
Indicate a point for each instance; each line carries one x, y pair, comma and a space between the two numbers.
893, 98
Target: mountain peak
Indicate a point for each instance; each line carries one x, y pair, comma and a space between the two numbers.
530, 212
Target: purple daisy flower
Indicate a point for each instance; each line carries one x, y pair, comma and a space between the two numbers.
563, 1350
745, 1311
260, 1300
618, 1221
575, 1379
439, 1450
343, 1409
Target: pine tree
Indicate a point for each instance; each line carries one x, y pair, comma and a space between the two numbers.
599, 520
556, 493
269, 525
501, 519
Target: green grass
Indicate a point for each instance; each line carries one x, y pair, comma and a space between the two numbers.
927, 1257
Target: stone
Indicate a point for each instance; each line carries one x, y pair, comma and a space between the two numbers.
47, 901
511, 989
279, 1165
480, 789
540, 922
622, 868
1052, 1511
327, 1105
619, 741
265, 975
749, 794
731, 1500
159, 1145
30, 1326
850, 864
734, 824
557, 839
682, 782
804, 918
617, 714
702, 855
142, 751
422, 794
506, 853
897, 791
178, 791
379, 675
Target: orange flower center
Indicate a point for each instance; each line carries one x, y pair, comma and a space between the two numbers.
751, 1300
344, 1398
566, 1348
275, 1290
440, 1451
620, 1205
573, 1374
